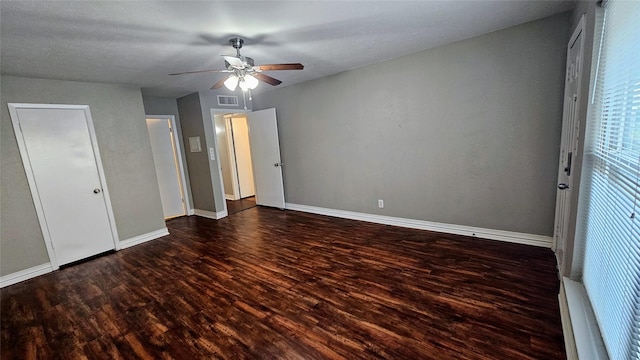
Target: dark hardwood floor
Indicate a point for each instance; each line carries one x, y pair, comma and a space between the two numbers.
234, 206
272, 284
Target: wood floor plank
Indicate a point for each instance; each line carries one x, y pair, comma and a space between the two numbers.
272, 284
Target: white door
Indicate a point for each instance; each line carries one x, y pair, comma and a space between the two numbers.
265, 152
569, 142
165, 158
58, 150
243, 156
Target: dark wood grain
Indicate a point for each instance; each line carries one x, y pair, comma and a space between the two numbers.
271, 284
234, 206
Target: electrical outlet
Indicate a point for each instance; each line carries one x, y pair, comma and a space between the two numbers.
380, 203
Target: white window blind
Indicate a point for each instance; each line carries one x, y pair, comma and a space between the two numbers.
611, 272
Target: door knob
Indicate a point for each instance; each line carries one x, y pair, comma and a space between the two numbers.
96, 191
563, 186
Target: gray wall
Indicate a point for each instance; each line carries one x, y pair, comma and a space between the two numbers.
209, 101
206, 176
466, 133
121, 131
154, 105
197, 162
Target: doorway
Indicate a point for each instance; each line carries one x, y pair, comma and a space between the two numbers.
167, 158
264, 146
232, 132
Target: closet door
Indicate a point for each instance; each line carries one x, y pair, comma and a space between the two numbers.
63, 167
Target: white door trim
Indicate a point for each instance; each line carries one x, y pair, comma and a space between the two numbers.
176, 145
214, 112
231, 151
13, 107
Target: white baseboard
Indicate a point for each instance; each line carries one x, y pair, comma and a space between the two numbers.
229, 197
190, 212
32, 272
25, 274
143, 238
210, 214
508, 236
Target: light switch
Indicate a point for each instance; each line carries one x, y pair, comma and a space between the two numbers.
212, 154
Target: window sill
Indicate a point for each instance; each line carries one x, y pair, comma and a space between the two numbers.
581, 334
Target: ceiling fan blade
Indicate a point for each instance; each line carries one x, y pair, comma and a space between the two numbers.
234, 61
199, 71
219, 84
268, 79
267, 67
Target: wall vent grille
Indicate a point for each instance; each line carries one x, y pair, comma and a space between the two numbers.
227, 100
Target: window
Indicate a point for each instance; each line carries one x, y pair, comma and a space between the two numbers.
611, 272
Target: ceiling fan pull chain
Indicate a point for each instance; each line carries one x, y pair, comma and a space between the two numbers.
244, 99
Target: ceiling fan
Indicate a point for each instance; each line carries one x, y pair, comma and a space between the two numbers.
243, 71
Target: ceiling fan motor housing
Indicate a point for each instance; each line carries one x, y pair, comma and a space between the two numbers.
236, 43
247, 62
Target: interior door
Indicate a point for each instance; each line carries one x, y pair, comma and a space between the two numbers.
265, 152
57, 150
166, 162
569, 142
242, 153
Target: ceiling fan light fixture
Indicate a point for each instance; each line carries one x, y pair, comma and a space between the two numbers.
248, 82
243, 85
251, 81
232, 82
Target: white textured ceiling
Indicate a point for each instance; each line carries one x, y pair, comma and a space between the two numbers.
139, 43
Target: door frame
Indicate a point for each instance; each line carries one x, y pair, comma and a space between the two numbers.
237, 137
37, 202
214, 112
231, 152
178, 155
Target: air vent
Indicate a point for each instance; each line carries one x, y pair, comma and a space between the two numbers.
227, 100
